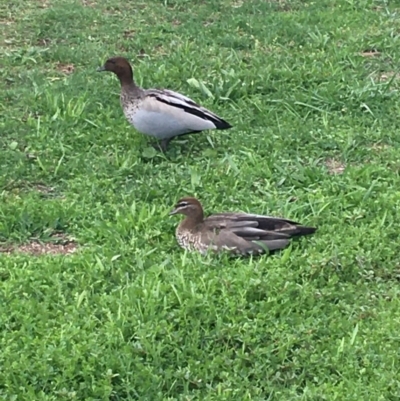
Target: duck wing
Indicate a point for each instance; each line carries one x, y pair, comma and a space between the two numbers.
228, 240
179, 102
241, 223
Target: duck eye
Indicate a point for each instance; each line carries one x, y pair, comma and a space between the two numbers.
181, 204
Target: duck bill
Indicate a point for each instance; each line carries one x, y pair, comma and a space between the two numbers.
100, 69
172, 212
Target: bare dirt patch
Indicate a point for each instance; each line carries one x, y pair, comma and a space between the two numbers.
370, 53
334, 166
237, 4
61, 245
65, 68
284, 5
42, 3
379, 147
129, 33
47, 191
88, 3
387, 76
141, 54
18, 186
44, 189
7, 21
44, 42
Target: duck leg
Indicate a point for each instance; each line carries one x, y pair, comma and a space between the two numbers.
161, 145
164, 144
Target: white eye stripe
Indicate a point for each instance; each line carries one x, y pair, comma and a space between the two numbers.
182, 204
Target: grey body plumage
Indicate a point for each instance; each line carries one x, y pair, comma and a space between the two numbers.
237, 233
163, 114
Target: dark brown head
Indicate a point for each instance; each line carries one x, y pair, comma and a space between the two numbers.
120, 67
190, 207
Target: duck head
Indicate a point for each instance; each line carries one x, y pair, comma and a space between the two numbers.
120, 67
190, 207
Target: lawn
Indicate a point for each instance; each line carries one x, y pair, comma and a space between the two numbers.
98, 302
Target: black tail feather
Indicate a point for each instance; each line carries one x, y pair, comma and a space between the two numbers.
221, 124
304, 230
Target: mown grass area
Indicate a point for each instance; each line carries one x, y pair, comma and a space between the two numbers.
312, 89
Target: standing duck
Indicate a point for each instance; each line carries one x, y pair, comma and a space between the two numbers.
163, 114
237, 233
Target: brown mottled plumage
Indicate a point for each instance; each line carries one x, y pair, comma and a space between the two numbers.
237, 233
163, 114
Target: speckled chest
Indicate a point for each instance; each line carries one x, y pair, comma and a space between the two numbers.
190, 241
130, 108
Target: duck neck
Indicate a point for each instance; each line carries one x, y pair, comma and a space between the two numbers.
126, 79
193, 222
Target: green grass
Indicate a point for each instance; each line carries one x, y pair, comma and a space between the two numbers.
130, 316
